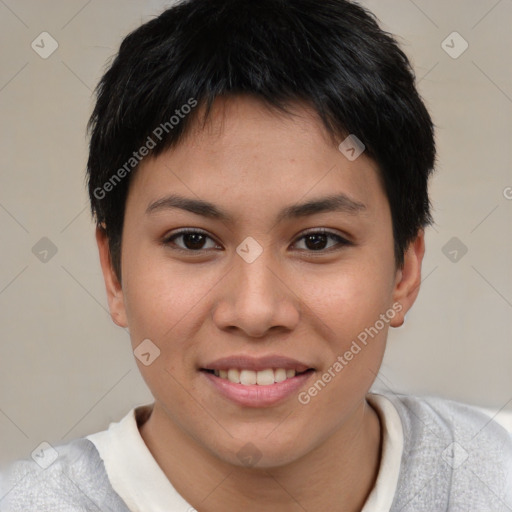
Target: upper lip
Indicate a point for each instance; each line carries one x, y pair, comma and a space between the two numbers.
244, 362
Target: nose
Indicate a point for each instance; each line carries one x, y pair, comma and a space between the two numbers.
256, 297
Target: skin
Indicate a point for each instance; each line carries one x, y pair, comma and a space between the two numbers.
292, 300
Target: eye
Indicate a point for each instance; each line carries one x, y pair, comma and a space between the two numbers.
318, 240
192, 240
195, 240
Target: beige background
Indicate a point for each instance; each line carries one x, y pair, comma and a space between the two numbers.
66, 370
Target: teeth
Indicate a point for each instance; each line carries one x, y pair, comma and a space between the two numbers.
280, 375
233, 375
249, 377
265, 378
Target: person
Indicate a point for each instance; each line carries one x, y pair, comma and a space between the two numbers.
258, 173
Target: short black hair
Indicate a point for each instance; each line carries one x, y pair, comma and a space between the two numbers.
330, 55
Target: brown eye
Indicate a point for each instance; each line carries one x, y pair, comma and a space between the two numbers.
191, 240
196, 241
316, 241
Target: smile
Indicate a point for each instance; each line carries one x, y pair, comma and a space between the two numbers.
250, 381
265, 377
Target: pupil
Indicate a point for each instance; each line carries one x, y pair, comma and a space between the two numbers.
318, 240
194, 240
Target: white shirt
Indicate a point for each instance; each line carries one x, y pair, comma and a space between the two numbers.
142, 485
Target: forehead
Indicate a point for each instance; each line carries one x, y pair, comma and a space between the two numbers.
248, 153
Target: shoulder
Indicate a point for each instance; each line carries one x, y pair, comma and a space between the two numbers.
448, 420
449, 413
454, 457
69, 477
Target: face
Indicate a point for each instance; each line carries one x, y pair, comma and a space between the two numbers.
285, 278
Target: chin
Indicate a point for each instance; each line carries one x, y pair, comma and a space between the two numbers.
263, 451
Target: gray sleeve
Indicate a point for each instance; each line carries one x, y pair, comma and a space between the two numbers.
455, 459
75, 482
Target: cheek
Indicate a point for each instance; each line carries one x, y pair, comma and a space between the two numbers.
165, 303
156, 294
348, 298
160, 306
350, 308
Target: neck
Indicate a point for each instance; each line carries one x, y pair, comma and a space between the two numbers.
337, 475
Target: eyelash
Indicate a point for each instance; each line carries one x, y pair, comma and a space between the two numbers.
319, 231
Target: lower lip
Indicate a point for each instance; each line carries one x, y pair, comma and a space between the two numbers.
255, 395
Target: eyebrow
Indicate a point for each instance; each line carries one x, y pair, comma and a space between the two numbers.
333, 203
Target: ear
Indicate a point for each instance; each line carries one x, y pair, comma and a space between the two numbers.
115, 295
408, 278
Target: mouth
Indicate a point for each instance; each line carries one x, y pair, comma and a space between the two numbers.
261, 382
266, 377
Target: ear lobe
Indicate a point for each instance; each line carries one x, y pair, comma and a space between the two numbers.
114, 290
408, 278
